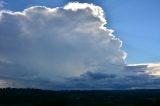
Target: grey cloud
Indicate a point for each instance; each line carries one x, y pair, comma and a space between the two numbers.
98, 76
132, 77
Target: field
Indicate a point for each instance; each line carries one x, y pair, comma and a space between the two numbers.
36, 97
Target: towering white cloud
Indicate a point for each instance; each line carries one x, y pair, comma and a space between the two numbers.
58, 43
64, 46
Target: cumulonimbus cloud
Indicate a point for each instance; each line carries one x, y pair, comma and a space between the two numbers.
64, 46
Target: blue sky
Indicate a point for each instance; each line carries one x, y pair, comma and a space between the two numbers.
135, 22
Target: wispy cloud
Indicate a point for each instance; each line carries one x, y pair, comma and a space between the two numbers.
2, 3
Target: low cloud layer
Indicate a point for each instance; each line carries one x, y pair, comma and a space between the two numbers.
66, 48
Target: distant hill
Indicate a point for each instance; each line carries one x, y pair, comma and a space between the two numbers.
37, 97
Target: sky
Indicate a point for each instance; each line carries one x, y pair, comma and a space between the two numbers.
90, 44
